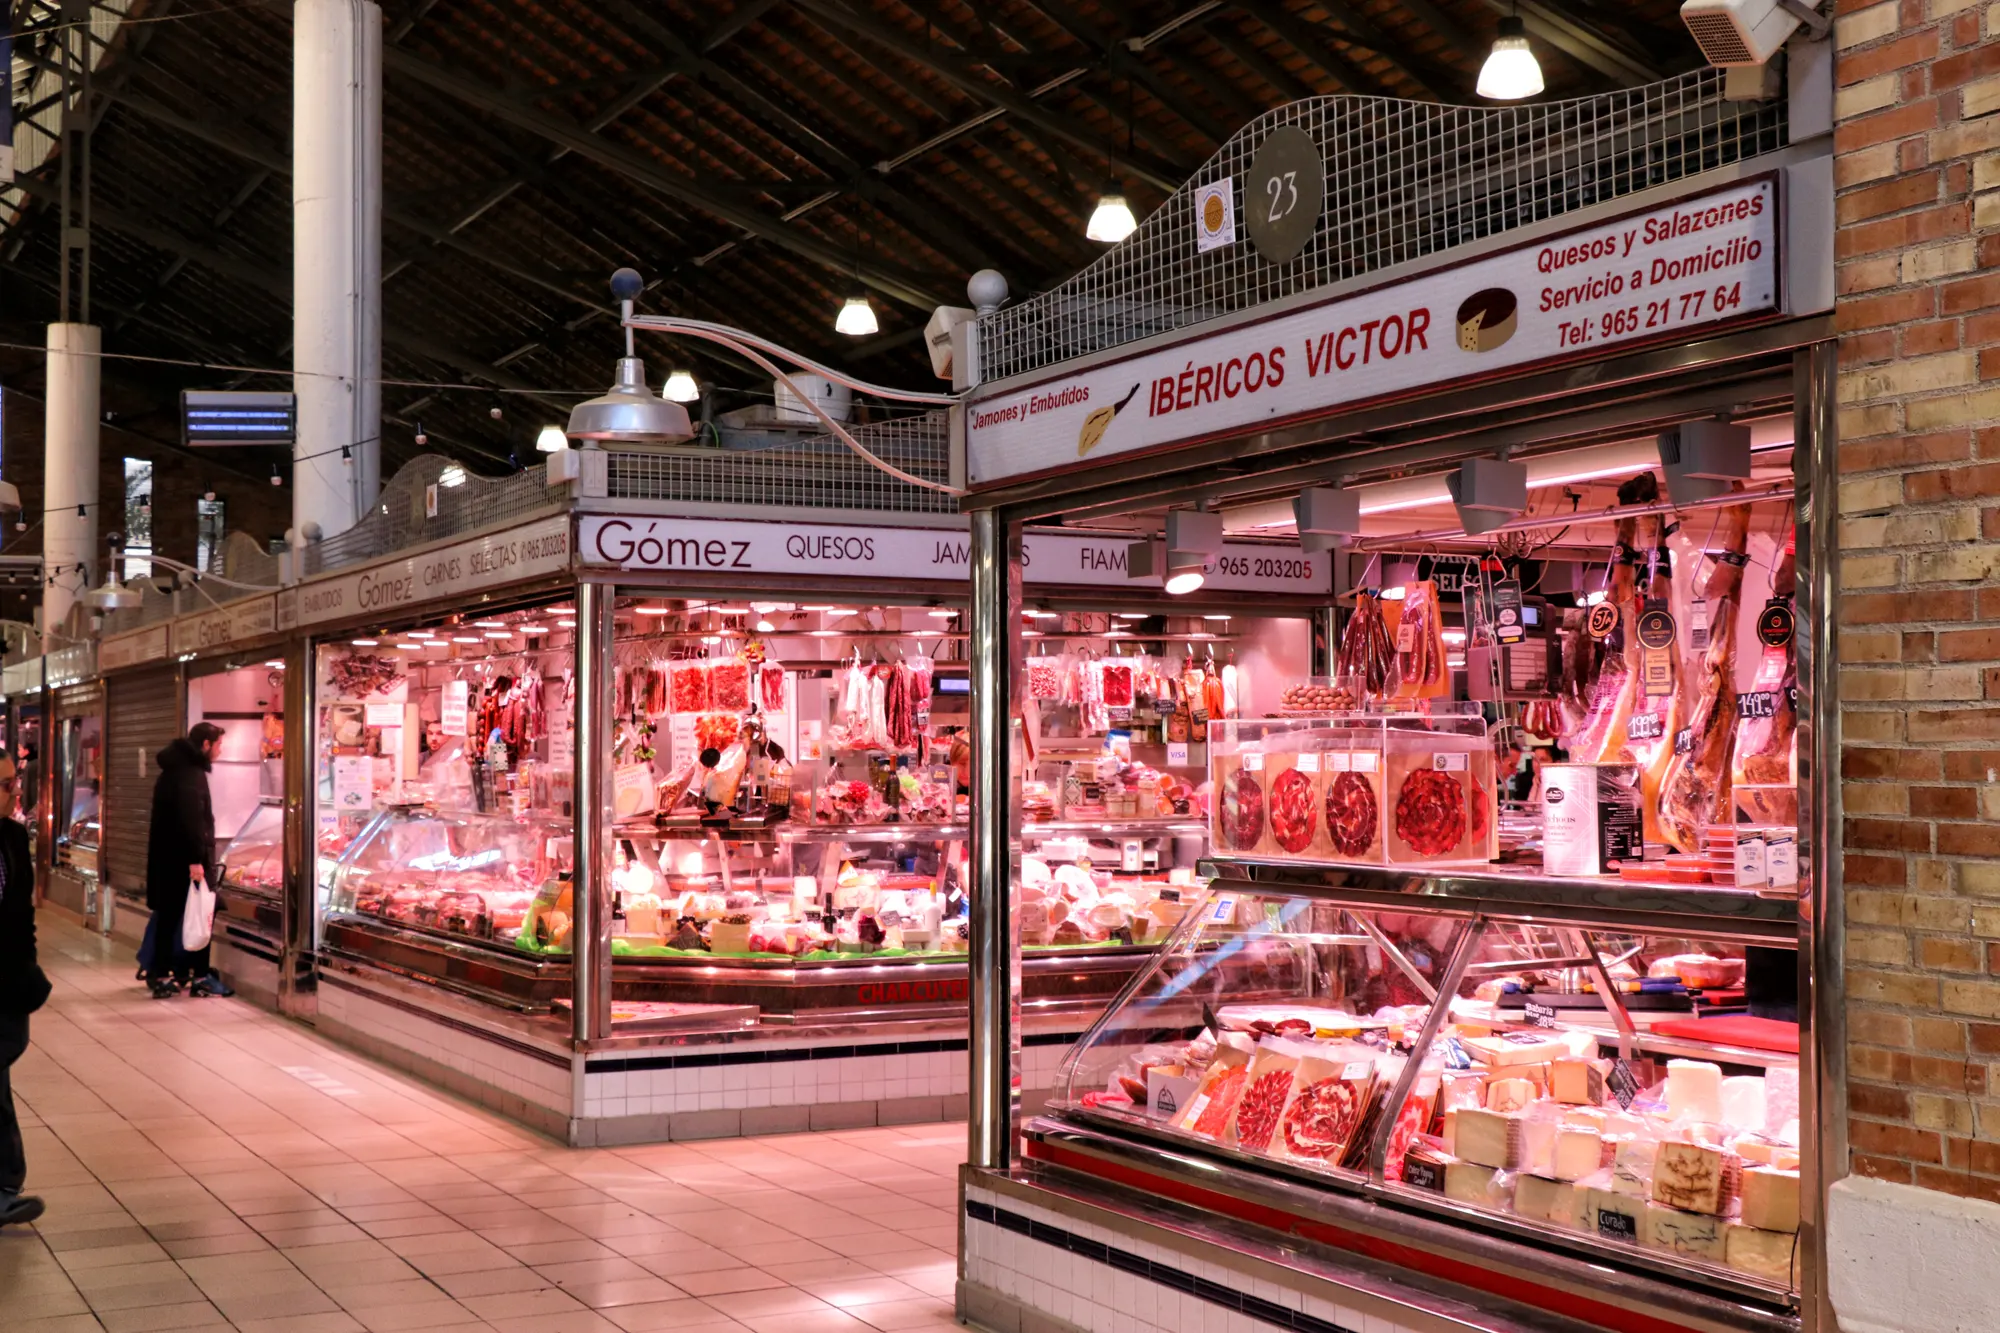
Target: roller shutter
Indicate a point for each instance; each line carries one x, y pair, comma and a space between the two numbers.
142, 713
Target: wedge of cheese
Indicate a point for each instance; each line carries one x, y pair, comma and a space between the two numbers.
1766, 1254
1469, 1182
1509, 1094
1577, 1082
1632, 1167
1515, 1048
1697, 1178
1578, 1153
1563, 1202
1487, 1138
1694, 1234
1771, 1199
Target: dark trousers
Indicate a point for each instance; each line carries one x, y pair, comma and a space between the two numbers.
13, 1161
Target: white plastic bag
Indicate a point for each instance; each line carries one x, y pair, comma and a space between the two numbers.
198, 917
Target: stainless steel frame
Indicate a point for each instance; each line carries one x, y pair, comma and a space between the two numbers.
995, 936
596, 629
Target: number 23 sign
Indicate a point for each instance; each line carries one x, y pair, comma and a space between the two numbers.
1283, 194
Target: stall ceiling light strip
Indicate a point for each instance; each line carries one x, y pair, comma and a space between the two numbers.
1784, 491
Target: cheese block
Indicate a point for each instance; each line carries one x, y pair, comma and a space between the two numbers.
1743, 1103
1449, 1132
1759, 1152
1488, 1138
1771, 1199
1577, 1082
1578, 1153
1468, 1182
1515, 1048
1632, 1167
1694, 1234
1585, 1117
1614, 1216
1545, 1199
1767, 1254
1781, 1099
1694, 1091
1462, 1087
1696, 1177
1538, 1141
1509, 1094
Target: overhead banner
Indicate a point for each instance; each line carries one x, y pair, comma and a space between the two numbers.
1703, 261
531, 551
119, 651
817, 550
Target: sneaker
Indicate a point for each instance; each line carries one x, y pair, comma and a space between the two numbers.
163, 988
212, 984
19, 1209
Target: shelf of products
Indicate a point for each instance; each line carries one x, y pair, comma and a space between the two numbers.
1598, 1089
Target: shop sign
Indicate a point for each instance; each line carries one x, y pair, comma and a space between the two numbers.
133, 647
1660, 274
232, 623
529, 552
800, 550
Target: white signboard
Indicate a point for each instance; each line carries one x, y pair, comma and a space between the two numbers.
528, 552
236, 622
140, 645
725, 546
452, 713
1658, 274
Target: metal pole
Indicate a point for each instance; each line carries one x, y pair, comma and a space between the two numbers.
995, 957
298, 970
1822, 913
590, 956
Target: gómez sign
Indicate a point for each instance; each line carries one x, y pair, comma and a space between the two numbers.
1702, 261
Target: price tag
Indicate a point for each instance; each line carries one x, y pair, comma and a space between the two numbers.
1757, 703
452, 712
1224, 910
1406, 637
1177, 754
1309, 762
1646, 727
1698, 627
1421, 1174
1121, 715
1617, 1226
385, 715
1451, 762
1539, 1014
1623, 1083
1339, 762
1684, 740
1365, 763
1253, 761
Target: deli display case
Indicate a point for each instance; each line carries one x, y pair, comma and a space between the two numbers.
251, 890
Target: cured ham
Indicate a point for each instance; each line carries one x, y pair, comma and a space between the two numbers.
1617, 693
1695, 792
1768, 717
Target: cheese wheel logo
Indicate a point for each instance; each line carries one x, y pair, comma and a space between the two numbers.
1487, 319
1212, 214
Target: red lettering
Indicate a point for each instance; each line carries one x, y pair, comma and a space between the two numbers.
1420, 323
1341, 357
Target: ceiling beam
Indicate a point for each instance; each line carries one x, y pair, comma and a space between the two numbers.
916, 290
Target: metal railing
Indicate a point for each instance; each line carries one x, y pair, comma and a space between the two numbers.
402, 517
816, 472
1404, 180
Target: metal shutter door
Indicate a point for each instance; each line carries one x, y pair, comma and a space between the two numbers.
142, 713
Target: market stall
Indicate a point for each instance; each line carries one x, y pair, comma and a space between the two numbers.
1531, 863
780, 873
75, 817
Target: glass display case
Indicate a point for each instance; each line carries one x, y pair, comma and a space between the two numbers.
1604, 1077
253, 861
495, 878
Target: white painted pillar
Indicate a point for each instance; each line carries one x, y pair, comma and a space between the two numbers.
69, 538
336, 260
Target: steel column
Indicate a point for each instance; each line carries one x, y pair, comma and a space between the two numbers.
298, 961
995, 957
590, 955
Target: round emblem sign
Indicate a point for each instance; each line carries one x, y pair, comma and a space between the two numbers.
1656, 628
1283, 194
1603, 618
1775, 627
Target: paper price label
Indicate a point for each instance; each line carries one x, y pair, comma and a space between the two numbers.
1698, 627
385, 715
452, 712
1758, 703
1308, 762
1365, 763
1656, 660
1541, 1015
1253, 762
1406, 637
1646, 727
1224, 910
1451, 763
1507, 626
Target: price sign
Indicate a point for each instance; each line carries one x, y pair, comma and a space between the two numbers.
1757, 703
1647, 727
1507, 626
1624, 1084
1541, 1015
452, 711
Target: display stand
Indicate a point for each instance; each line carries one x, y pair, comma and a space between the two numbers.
1283, 1161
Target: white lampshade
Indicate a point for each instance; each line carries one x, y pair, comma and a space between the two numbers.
857, 318
552, 440
1112, 220
1511, 71
681, 388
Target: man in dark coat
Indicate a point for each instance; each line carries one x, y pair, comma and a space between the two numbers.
180, 848
23, 988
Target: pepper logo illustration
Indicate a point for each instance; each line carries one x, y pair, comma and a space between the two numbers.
1487, 319
1098, 422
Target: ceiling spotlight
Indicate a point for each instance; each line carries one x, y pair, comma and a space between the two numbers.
1185, 572
857, 317
551, 440
681, 388
452, 476
1111, 221
365, 643
1511, 71
565, 624
766, 627
465, 638
1180, 570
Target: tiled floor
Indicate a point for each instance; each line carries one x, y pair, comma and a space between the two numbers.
210, 1166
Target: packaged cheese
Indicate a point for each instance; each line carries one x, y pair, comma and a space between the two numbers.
1766, 1254
1771, 1199
1578, 1082
1515, 1048
1469, 1182
1488, 1138
1697, 1177
1694, 1234
1509, 1094
1579, 1152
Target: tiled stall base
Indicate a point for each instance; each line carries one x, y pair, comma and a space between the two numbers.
1029, 1268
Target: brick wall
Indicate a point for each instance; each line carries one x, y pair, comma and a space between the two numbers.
1917, 171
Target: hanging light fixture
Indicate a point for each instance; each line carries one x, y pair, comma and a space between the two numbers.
681, 387
1111, 220
1511, 71
552, 440
628, 413
857, 317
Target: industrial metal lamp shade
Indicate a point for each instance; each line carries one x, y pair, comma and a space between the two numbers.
1112, 219
629, 414
1511, 71
112, 596
856, 319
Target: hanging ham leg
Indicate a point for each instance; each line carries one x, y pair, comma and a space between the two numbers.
1616, 692
1696, 791
1766, 739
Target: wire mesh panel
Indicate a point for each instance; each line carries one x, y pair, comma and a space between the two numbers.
817, 472
1404, 180
402, 515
